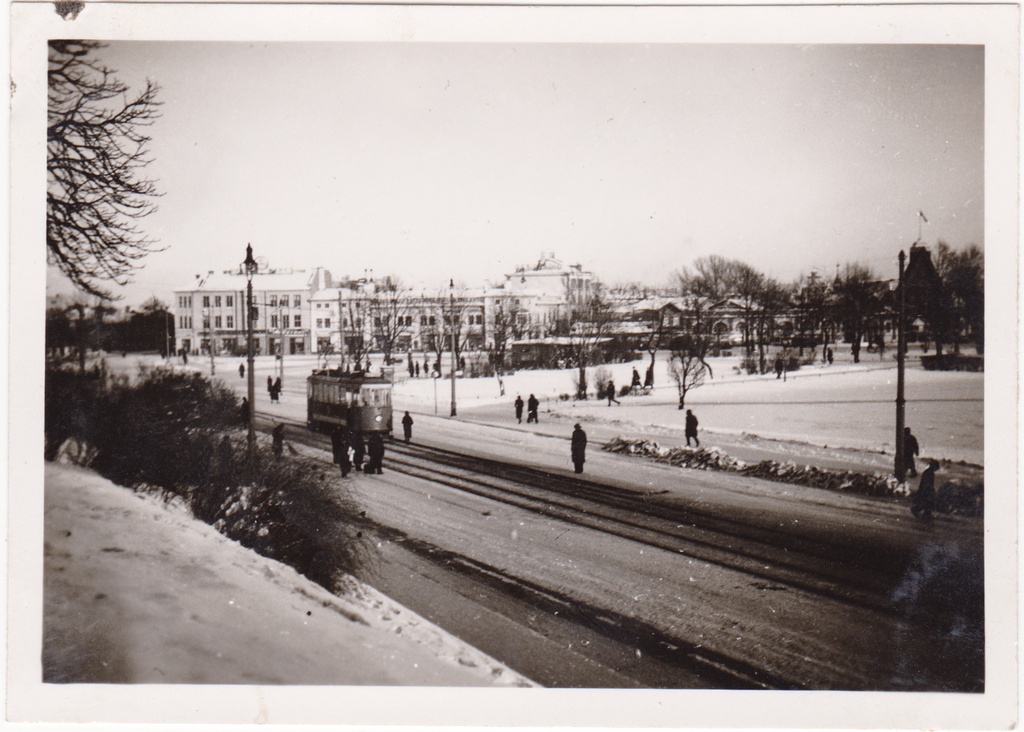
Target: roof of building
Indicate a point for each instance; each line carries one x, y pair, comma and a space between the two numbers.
289, 281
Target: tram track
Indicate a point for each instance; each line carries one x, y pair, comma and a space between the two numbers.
832, 571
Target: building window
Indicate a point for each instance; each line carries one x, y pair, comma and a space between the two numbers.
297, 301
216, 321
273, 321
273, 301
206, 322
206, 301
229, 300
284, 321
230, 320
216, 301
327, 322
297, 322
319, 322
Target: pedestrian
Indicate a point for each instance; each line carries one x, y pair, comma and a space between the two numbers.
519, 408
358, 449
277, 386
778, 367
462, 363
245, 411
417, 365
339, 450
649, 378
828, 355
610, 391
375, 452
634, 387
225, 459
437, 368
270, 384
184, 357
278, 439
241, 370
412, 369
579, 447
368, 365
426, 365
407, 427
910, 449
924, 498
691, 428
532, 405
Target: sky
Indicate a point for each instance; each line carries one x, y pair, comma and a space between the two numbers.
433, 161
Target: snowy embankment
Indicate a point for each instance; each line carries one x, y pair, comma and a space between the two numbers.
138, 591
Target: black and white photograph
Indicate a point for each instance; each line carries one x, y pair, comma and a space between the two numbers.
514, 366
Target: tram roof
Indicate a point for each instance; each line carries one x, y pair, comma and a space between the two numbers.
350, 377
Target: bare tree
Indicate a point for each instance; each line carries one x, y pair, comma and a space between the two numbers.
856, 304
389, 310
687, 366
506, 326
963, 278
96, 152
584, 321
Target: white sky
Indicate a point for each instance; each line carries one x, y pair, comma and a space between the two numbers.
433, 161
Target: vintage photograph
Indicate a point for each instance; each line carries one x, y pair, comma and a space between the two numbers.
580, 362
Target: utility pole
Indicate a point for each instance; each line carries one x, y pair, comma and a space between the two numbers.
451, 293
250, 270
901, 469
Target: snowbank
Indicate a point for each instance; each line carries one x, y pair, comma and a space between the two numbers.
137, 591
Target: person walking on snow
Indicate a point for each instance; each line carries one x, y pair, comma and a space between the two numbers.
910, 449
519, 409
691, 428
278, 440
407, 427
358, 449
532, 405
375, 452
634, 387
924, 498
241, 370
579, 447
339, 450
611, 393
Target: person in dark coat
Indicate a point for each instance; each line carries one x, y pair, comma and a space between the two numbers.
691, 428
579, 447
339, 450
277, 389
532, 405
358, 449
519, 409
910, 449
270, 384
610, 392
649, 378
778, 367
241, 370
426, 366
245, 411
278, 440
417, 365
635, 385
375, 453
407, 427
829, 356
924, 498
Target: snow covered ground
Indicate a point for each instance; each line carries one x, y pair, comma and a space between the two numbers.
137, 591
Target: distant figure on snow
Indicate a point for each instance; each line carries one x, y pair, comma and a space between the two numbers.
579, 447
635, 385
278, 440
924, 498
828, 355
375, 452
339, 450
649, 378
241, 370
417, 365
610, 391
691, 428
407, 426
245, 411
531, 409
778, 367
270, 384
910, 449
358, 449
519, 409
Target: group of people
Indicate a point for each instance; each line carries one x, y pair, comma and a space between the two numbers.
532, 405
350, 451
274, 388
428, 370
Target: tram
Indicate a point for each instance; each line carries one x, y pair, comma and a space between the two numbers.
354, 400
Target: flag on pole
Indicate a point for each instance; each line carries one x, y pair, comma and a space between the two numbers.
921, 214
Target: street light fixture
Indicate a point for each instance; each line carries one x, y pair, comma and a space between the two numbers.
250, 270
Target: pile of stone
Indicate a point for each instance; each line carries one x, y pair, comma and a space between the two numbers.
953, 497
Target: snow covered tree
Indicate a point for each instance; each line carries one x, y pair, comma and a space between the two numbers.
584, 321
390, 313
96, 154
687, 365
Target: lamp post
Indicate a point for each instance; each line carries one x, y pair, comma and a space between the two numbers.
250, 270
208, 322
451, 294
901, 348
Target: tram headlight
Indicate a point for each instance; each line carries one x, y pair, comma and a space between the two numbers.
377, 418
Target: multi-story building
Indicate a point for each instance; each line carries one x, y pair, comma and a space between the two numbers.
211, 313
